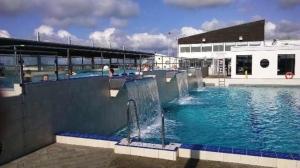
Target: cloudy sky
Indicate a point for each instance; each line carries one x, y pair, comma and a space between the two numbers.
141, 24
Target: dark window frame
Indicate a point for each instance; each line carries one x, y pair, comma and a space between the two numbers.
283, 62
243, 63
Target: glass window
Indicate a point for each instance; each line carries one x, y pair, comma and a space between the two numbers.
218, 48
206, 49
185, 49
243, 64
264, 63
286, 63
195, 49
228, 47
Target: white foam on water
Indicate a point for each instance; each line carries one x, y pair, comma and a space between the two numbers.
187, 100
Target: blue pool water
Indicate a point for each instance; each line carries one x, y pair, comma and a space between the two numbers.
260, 118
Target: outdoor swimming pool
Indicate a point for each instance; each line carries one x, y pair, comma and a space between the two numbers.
259, 118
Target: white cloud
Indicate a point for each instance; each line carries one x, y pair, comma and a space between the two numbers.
45, 30
283, 30
63, 13
48, 33
188, 31
105, 38
146, 41
4, 34
63, 34
270, 29
212, 25
197, 3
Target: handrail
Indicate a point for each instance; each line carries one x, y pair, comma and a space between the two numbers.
162, 128
128, 120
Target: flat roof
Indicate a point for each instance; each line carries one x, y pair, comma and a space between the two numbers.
31, 47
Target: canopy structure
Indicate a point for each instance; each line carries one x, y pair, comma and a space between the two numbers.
30, 47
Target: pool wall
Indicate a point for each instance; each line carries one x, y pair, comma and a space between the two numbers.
30, 122
167, 84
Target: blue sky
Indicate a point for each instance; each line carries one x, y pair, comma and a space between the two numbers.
141, 24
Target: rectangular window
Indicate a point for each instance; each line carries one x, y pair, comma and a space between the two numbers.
185, 49
206, 49
286, 63
195, 49
228, 47
244, 64
218, 48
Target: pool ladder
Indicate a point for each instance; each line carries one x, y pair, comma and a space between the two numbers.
128, 120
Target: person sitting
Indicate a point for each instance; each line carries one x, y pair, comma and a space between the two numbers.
111, 72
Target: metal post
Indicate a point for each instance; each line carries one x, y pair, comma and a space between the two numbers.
93, 62
162, 62
102, 67
162, 129
56, 67
140, 65
69, 63
124, 67
21, 72
39, 62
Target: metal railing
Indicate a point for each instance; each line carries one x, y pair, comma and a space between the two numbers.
162, 128
128, 120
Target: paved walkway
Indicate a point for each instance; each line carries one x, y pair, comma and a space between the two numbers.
61, 155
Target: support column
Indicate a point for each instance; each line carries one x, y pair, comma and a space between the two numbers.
70, 69
39, 63
56, 67
93, 62
102, 66
124, 67
140, 65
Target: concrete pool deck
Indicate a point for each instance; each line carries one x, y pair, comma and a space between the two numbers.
62, 155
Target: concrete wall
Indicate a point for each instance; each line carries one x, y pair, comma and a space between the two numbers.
30, 122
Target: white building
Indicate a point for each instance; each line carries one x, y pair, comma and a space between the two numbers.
165, 62
242, 52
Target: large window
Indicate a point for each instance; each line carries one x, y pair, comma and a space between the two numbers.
195, 49
286, 63
243, 64
218, 48
185, 49
228, 47
206, 49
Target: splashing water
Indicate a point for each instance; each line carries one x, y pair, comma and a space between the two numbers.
182, 84
145, 94
199, 77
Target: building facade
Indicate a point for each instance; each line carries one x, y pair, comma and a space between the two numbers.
236, 51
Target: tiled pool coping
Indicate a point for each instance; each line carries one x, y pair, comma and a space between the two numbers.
250, 152
196, 151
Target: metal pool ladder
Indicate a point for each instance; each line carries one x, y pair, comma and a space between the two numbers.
128, 120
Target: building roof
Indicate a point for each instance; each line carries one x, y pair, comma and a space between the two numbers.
30, 47
253, 31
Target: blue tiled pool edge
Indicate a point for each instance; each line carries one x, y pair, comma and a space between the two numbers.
199, 147
259, 153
